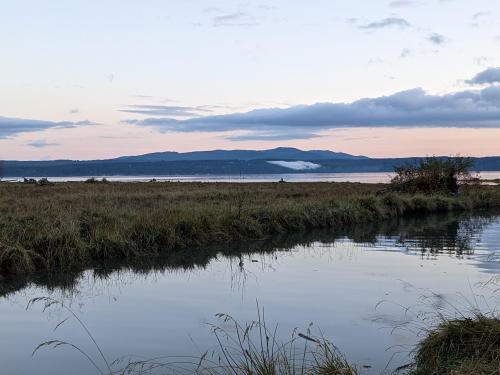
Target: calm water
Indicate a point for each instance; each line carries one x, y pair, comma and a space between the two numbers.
336, 280
380, 177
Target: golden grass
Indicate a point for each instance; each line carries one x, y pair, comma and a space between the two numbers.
72, 225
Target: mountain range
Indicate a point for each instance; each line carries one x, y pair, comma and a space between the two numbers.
219, 162
280, 153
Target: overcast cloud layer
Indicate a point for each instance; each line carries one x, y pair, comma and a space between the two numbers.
411, 108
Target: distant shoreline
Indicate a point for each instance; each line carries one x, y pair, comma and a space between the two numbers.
236, 168
359, 177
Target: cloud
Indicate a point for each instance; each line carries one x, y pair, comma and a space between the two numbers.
488, 76
42, 143
386, 22
143, 96
476, 17
166, 110
13, 126
211, 10
238, 18
73, 124
437, 39
290, 134
402, 3
479, 15
482, 60
405, 53
361, 138
411, 108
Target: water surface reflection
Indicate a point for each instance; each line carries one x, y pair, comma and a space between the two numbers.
336, 279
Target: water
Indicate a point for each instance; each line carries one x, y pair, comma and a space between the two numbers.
292, 177
372, 177
337, 280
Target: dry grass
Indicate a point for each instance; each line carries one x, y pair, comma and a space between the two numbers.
72, 225
467, 346
242, 349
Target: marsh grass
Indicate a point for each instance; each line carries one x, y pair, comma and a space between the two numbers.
47, 303
459, 336
464, 346
69, 226
242, 349
254, 349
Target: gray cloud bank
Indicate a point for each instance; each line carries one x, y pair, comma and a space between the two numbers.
488, 76
411, 108
13, 126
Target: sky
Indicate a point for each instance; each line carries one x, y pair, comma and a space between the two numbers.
89, 79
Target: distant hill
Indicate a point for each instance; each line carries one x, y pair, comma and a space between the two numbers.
280, 153
220, 162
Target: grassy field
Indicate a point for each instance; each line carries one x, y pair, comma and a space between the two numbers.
73, 225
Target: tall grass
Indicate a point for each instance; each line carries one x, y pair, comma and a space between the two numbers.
458, 336
242, 349
465, 346
254, 349
70, 226
246, 353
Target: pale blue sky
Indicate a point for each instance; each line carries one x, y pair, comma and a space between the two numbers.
96, 74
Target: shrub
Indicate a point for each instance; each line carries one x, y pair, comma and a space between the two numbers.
94, 180
434, 175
